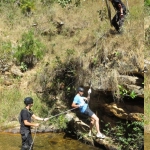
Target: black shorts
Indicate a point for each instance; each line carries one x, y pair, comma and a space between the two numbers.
88, 112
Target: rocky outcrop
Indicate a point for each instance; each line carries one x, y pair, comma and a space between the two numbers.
16, 71
81, 127
102, 81
124, 111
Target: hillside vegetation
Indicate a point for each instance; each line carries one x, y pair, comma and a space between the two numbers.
147, 59
57, 45
39, 33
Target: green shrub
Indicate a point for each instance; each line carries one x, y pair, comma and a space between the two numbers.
60, 122
147, 2
127, 136
63, 3
124, 92
29, 50
27, 6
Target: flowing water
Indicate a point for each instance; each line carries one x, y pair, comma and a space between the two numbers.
45, 141
146, 141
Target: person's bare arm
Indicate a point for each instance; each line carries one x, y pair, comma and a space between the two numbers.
121, 9
38, 118
75, 105
30, 124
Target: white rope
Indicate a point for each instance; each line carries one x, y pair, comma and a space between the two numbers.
62, 113
33, 138
49, 118
89, 91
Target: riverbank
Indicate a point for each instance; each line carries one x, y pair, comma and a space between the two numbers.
45, 141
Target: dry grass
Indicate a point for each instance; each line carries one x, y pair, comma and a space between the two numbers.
81, 30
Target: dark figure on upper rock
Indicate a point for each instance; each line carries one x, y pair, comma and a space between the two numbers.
119, 17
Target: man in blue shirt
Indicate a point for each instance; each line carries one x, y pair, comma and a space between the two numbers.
118, 19
81, 103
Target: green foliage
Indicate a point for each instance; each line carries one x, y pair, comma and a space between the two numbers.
124, 92
63, 3
147, 2
23, 67
6, 50
48, 1
133, 94
127, 136
9, 104
60, 122
70, 52
29, 50
27, 6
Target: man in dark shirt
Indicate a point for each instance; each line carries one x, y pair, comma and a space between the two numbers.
25, 124
118, 19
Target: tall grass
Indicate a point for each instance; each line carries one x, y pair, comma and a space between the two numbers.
10, 104
12, 101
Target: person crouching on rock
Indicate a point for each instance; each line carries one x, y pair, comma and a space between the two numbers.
79, 102
25, 124
119, 17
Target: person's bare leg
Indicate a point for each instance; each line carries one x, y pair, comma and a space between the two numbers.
91, 126
96, 122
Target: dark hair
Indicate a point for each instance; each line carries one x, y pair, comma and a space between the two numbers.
28, 100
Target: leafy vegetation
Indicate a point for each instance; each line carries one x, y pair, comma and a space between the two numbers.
124, 92
128, 135
29, 50
83, 38
63, 3
9, 104
27, 6
147, 2
60, 122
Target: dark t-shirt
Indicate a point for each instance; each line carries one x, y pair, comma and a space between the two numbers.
115, 4
25, 114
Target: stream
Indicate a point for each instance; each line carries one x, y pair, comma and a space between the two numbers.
146, 141
44, 141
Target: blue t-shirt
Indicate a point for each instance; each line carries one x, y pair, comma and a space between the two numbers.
79, 100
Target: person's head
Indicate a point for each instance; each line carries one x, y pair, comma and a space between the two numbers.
80, 90
28, 101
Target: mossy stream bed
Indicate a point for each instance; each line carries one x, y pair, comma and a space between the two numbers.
44, 141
